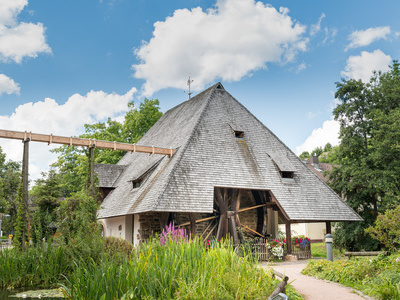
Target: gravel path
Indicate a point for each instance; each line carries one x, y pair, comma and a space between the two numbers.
310, 287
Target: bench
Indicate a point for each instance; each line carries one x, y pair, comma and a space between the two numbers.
365, 253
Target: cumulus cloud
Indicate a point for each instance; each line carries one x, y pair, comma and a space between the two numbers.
8, 86
60, 119
362, 66
19, 40
228, 42
328, 133
360, 38
317, 27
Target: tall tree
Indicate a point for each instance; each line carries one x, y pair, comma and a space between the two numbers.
10, 180
368, 157
72, 163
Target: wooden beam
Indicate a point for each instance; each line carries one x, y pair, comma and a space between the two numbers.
288, 238
25, 191
328, 227
253, 231
198, 221
71, 141
192, 218
252, 207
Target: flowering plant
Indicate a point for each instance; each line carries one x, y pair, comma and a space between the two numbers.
276, 248
301, 241
172, 234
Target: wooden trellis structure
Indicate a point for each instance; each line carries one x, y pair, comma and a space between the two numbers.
27, 137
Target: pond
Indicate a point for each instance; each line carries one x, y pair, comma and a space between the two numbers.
54, 294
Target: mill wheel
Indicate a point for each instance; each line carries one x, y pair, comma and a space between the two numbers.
226, 217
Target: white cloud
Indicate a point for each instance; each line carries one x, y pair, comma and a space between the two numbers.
301, 67
328, 133
9, 10
362, 66
228, 42
315, 28
66, 119
19, 40
8, 86
366, 37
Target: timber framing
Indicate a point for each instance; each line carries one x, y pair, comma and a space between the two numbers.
90, 143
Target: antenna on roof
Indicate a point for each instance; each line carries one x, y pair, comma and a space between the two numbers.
189, 82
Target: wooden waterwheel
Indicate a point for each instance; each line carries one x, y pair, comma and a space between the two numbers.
228, 207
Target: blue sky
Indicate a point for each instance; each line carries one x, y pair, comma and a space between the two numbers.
66, 63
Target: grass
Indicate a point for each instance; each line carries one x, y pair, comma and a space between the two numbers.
32, 268
319, 250
175, 270
378, 277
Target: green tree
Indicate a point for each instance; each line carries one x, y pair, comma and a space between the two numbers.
10, 180
386, 229
46, 195
328, 147
72, 163
368, 157
305, 155
317, 151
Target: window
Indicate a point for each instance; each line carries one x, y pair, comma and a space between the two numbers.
287, 174
136, 183
239, 134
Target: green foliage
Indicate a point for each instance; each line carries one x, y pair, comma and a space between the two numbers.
305, 155
378, 277
19, 239
46, 194
176, 270
368, 158
10, 180
34, 267
78, 227
387, 229
317, 151
72, 163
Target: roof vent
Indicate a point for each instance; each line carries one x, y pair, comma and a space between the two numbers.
219, 87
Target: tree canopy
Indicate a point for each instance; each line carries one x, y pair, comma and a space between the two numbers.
368, 158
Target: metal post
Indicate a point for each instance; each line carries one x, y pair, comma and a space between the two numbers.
329, 249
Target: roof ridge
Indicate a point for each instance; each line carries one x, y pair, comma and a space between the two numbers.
211, 91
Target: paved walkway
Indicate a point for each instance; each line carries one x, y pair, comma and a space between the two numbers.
310, 287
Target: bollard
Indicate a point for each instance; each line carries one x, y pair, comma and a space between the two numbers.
329, 249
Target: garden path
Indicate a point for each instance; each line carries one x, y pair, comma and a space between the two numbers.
310, 287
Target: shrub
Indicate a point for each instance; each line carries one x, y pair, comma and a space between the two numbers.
379, 277
387, 229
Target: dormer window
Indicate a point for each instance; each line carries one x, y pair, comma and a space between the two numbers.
136, 183
287, 174
239, 134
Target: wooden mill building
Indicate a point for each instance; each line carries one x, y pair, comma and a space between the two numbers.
229, 171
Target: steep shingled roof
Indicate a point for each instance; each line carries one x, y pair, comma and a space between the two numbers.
209, 155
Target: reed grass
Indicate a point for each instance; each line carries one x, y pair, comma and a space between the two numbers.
183, 269
33, 267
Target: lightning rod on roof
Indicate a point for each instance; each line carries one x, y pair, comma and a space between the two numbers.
189, 82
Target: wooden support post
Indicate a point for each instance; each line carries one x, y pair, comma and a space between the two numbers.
192, 218
91, 170
25, 189
164, 216
328, 227
288, 238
